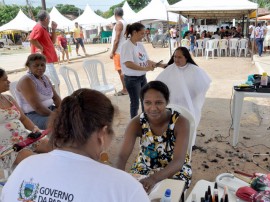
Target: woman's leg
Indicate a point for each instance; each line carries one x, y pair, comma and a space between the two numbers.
133, 86
40, 121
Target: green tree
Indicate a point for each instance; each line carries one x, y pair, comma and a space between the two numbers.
137, 5
109, 13
7, 13
172, 1
262, 3
67, 9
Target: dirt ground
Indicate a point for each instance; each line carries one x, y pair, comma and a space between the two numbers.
214, 153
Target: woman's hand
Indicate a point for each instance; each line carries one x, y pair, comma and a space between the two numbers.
148, 183
35, 129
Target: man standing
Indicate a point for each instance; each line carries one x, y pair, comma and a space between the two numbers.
78, 40
43, 42
259, 37
118, 39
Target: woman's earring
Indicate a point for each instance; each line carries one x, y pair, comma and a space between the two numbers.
104, 157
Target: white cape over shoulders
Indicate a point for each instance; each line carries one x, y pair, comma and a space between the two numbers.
188, 86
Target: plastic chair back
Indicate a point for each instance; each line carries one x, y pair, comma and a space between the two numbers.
185, 113
66, 72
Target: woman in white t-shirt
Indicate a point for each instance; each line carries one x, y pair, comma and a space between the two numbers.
81, 132
135, 63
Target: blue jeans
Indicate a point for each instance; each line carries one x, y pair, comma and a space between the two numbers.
134, 85
259, 43
39, 120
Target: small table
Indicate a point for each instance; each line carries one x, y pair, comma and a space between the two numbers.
202, 185
238, 99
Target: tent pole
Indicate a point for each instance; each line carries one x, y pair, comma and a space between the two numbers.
168, 28
243, 24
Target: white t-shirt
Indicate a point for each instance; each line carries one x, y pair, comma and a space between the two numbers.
122, 36
61, 176
133, 53
252, 32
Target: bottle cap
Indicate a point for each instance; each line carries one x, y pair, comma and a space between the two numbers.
168, 193
264, 73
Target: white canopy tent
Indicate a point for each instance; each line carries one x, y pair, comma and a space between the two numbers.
89, 17
156, 11
213, 9
21, 23
62, 21
129, 14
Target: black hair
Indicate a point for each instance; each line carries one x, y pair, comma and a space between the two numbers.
158, 86
81, 114
133, 27
33, 57
185, 53
2, 72
118, 12
42, 15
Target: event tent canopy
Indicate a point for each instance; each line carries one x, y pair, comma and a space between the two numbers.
213, 9
265, 17
20, 23
62, 21
129, 14
156, 10
89, 17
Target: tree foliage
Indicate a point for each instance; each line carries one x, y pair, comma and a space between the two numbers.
66, 9
262, 3
7, 13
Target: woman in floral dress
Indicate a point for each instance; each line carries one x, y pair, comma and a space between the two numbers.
14, 128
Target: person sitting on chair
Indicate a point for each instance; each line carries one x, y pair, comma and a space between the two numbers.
164, 138
36, 95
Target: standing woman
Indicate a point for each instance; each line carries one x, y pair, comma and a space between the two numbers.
187, 83
135, 63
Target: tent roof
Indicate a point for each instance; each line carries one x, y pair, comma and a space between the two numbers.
211, 9
62, 21
129, 14
156, 10
89, 17
20, 22
265, 17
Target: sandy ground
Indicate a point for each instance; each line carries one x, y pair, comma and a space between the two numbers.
214, 136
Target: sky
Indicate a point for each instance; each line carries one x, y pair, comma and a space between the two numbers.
102, 5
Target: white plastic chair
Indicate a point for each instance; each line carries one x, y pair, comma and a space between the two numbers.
233, 45
243, 45
199, 46
91, 68
13, 91
183, 111
66, 73
223, 45
185, 43
211, 46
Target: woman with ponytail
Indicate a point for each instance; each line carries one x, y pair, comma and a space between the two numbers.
81, 132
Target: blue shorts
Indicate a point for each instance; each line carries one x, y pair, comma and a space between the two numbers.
79, 41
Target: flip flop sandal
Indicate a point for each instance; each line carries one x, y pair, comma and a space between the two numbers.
120, 93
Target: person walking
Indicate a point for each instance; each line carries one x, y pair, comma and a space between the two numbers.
62, 42
259, 37
78, 40
118, 39
42, 41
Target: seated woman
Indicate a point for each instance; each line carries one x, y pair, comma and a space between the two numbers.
187, 83
81, 132
14, 126
163, 139
36, 96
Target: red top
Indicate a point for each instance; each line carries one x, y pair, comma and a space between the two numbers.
44, 38
62, 40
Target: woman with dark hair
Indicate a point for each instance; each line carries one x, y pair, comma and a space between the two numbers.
135, 63
14, 128
163, 136
187, 83
81, 132
36, 96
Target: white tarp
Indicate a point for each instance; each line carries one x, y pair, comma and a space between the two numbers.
21, 22
129, 14
156, 10
213, 9
62, 21
89, 17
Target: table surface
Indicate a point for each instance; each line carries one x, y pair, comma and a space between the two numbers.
202, 185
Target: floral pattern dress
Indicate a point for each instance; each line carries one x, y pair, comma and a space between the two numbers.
12, 131
156, 152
